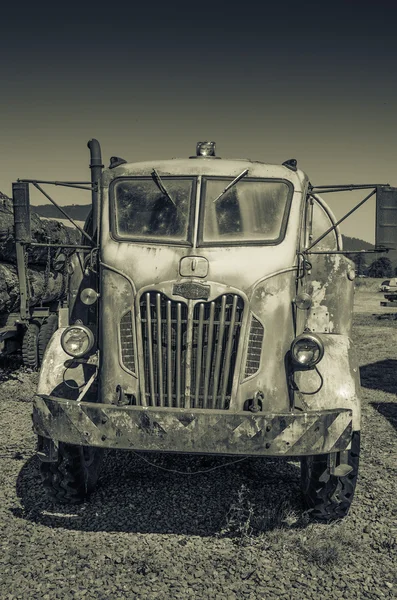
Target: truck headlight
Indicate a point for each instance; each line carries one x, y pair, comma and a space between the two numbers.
307, 350
77, 340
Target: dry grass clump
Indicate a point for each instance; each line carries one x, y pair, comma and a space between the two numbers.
245, 521
281, 526
326, 545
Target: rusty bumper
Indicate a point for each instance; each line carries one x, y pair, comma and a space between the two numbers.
201, 431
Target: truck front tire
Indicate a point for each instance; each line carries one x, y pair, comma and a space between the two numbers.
73, 477
329, 497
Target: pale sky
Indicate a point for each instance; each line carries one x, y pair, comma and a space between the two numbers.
317, 84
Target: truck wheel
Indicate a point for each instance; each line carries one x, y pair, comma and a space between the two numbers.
73, 477
47, 329
30, 349
327, 496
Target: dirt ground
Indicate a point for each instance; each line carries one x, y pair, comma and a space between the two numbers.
237, 531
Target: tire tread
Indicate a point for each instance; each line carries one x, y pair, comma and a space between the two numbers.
329, 497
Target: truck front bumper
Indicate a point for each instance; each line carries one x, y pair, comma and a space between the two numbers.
192, 431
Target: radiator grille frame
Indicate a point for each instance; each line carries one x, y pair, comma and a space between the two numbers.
195, 363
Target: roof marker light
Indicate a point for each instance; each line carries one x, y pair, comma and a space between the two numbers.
205, 150
291, 164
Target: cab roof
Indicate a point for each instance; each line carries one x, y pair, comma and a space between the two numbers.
207, 166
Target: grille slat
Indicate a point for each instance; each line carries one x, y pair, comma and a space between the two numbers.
219, 352
199, 353
208, 350
228, 353
190, 354
149, 338
169, 354
159, 350
178, 360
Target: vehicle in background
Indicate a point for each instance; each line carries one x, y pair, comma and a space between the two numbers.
390, 294
384, 286
389, 285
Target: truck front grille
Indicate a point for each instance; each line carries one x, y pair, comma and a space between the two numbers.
189, 352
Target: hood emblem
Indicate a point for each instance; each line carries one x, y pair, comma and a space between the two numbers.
191, 291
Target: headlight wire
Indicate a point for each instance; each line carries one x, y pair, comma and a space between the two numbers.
296, 388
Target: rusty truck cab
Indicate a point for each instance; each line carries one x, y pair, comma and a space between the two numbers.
208, 329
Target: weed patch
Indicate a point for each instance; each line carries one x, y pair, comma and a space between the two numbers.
326, 547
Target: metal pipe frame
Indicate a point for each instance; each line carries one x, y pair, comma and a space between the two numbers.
36, 185
333, 227
78, 246
73, 184
345, 187
374, 251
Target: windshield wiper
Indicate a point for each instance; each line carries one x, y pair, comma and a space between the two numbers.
161, 186
231, 184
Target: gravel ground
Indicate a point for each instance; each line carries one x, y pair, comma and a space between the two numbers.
236, 531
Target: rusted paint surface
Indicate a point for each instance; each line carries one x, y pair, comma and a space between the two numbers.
332, 294
238, 266
341, 380
227, 168
271, 303
231, 269
117, 297
75, 280
202, 431
60, 375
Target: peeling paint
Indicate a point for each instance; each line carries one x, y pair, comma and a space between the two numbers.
199, 431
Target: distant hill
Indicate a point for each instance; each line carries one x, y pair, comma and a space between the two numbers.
80, 212
352, 244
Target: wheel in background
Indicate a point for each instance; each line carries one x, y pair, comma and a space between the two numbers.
30, 349
327, 496
46, 332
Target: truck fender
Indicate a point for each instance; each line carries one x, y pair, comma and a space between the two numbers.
61, 375
335, 382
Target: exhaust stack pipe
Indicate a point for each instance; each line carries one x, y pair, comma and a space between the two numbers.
96, 167
23, 235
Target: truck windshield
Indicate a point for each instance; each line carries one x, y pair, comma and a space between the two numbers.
142, 210
251, 211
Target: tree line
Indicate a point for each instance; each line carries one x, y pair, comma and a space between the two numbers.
380, 267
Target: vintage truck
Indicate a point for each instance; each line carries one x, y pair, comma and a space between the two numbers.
210, 313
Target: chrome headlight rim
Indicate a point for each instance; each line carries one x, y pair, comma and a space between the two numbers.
86, 331
312, 337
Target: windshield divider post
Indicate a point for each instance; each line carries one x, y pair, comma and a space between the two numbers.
197, 208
